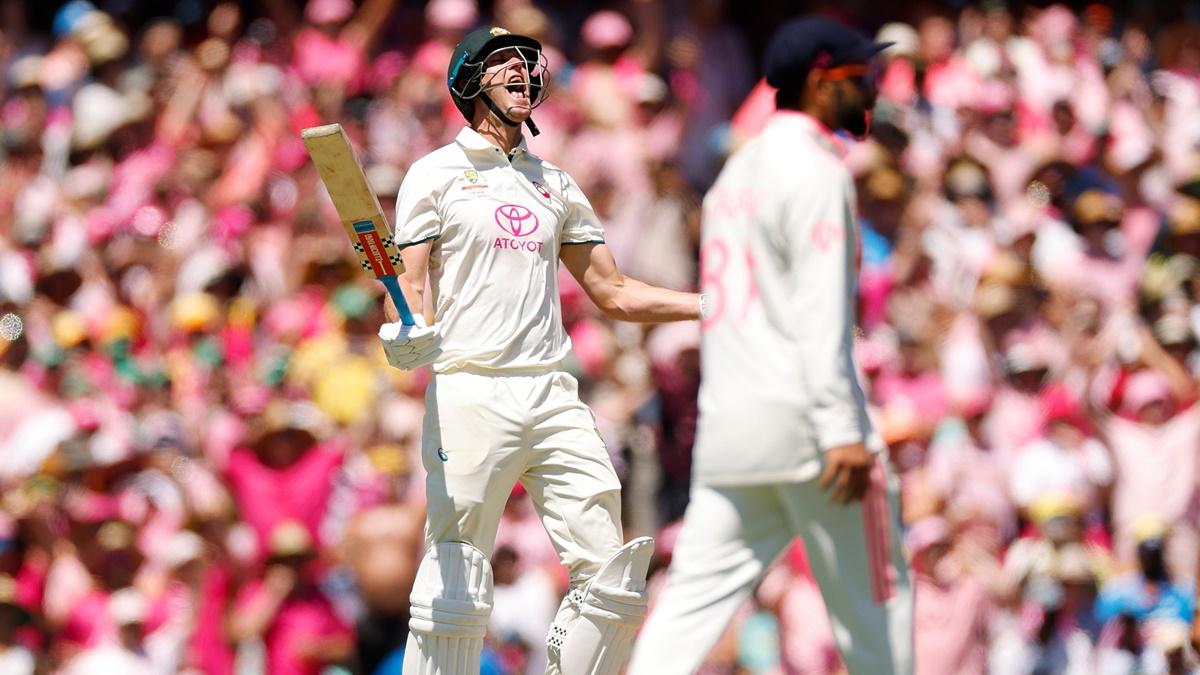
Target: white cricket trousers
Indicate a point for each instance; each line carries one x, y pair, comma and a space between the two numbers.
484, 432
731, 535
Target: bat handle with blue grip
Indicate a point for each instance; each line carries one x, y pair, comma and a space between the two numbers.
393, 288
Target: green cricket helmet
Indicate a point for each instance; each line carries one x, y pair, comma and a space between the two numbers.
465, 74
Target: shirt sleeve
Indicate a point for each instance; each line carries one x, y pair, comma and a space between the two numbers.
417, 216
580, 224
820, 238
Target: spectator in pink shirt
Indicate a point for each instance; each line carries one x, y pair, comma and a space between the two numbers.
1103, 268
114, 562
1157, 459
966, 472
1015, 418
915, 382
286, 472
952, 607
1065, 458
289, 611
331, 48
198, 591
606, 82
126, 650
806, 643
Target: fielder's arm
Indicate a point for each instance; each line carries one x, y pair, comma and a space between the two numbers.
618, 296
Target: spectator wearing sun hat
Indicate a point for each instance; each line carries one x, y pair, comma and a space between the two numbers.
1064, 457
1057, 522
330, 49
195, 601
283, 471
953, 604
126, 652
966, 472
1150, 592
289, 611
1015, 418
1057, 629
1156, 466
1106, 267
605, 83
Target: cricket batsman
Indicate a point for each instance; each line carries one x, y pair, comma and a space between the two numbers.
784, 447
486, 223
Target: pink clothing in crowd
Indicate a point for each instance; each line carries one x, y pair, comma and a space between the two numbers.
267, 497
90, 623
209, 650
319, 59
973, 482
1157, 470
950, 626
922, 391
1044, 467
1014, 420
524, 533
806, 637
304, 618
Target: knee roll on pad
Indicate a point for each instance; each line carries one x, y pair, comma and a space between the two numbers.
449, 607
593, 635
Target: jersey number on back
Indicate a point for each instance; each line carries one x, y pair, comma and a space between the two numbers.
722, 265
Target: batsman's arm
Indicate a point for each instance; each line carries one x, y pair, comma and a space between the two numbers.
416, 227
619, 297
412, 281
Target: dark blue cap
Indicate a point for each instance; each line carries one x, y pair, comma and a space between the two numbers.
803, 43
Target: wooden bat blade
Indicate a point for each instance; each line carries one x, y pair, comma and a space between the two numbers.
340, 171
357, 207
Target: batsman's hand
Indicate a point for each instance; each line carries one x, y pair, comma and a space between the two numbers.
847, 472
410, 347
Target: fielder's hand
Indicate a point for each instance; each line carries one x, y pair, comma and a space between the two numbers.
848, 471
410, 347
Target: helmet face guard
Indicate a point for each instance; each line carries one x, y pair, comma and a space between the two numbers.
467, 79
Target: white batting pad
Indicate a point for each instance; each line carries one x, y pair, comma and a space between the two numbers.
450, 604
593, 634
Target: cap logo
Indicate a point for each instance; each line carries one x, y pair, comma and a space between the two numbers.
823, 60
498, 31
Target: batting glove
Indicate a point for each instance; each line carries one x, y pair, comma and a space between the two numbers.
410, 347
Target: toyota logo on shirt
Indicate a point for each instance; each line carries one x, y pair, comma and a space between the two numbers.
516, 220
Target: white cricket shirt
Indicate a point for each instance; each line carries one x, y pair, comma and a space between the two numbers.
778, 265
496, 225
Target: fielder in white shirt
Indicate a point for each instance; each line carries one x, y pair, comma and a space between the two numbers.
487, 223
784, 446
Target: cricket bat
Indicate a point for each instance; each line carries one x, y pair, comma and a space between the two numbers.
358, 207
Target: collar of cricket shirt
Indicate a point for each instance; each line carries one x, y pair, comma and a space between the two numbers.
813, 127
471, 141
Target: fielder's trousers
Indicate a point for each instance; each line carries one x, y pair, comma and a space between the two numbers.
731, 534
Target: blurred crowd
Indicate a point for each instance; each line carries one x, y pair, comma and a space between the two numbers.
206, 465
